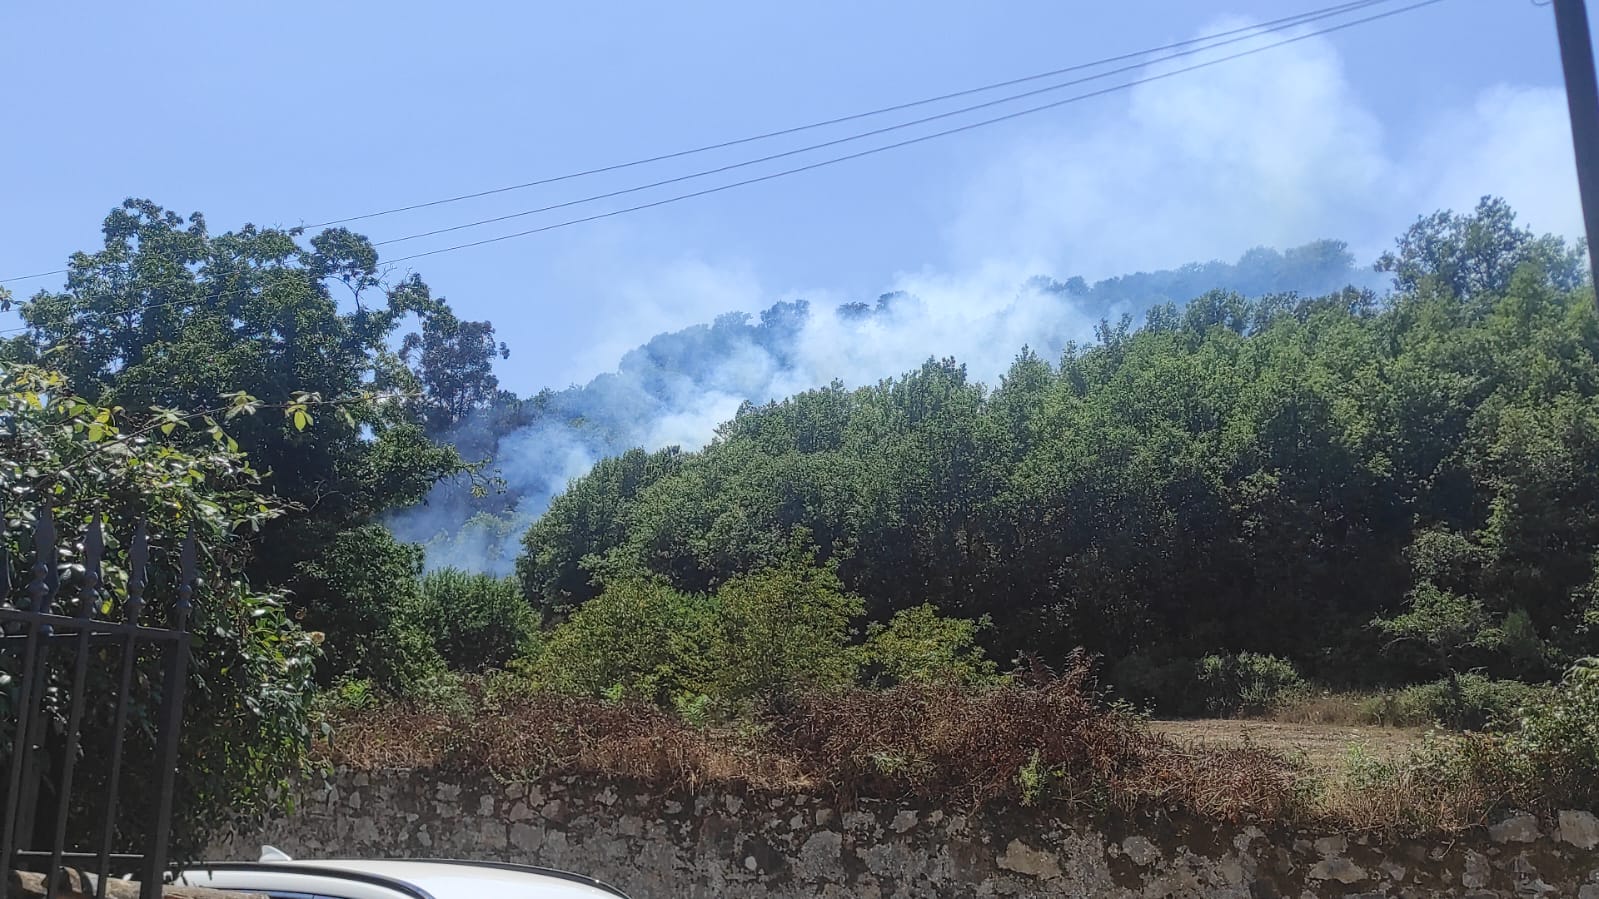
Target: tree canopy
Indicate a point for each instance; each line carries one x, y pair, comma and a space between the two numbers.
1267, 475
168, 314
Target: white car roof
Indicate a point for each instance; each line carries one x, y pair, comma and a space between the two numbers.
440, 879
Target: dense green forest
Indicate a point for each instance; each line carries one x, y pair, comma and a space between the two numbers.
532, 440
1380, 489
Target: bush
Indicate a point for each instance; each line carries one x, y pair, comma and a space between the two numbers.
1244, 684
246, 721
402, 661
778, 631
1052, 743
477, 621
1158, 683
762, 635
638, 637
1548, 760
1469, 702
921, 647
357, 592
1557, 740
364, 592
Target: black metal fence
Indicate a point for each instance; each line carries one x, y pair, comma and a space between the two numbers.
59, 627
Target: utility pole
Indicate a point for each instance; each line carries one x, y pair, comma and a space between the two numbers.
1582, 100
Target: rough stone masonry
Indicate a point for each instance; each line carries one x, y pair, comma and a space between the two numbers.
724, 844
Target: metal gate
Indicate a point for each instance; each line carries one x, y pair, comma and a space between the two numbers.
60, 625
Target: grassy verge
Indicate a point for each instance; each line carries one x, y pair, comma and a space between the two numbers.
1049, 741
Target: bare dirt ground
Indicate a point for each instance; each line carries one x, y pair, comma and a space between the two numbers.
1320, 746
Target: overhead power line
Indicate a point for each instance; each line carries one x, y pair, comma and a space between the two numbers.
1254, 30
925, 137
863, 135
1285, 21
870, 151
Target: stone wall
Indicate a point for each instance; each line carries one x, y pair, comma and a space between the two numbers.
718, 844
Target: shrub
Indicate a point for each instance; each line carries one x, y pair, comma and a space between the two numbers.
920, 646
1557, 741
245, 722
364, 591
639, 637
477, 621
777, 631
1247, 683
1466, 702
1159, 683
357, 592
402, 661
1548, 760
1052, 743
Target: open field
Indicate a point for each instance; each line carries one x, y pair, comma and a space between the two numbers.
1321, 746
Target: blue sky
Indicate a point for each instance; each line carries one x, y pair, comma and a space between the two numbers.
298, 112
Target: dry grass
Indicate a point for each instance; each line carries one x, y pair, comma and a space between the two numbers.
1363, 777
547, 734
1334, 709
1318, 747
1050, 741
1020, 744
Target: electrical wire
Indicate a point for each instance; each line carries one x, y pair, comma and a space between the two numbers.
851, 138
868, 152
1285, 21
921, 138
1256, 29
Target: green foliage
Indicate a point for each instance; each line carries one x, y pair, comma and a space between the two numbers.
1267, 475
1246, 683
350, 694
779, 630
1558, 738
563, 546
757, 638
1443, 624
638, 638
168, 314
1476, 253
366, 589
1215, 684
362, 588
246, 724
1034, 778
477, 621
1472, 702
455, 363
920, 646
402, 661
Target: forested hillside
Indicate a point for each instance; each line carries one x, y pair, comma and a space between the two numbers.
1268, 475
675, 387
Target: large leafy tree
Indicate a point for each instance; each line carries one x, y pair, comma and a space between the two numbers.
454, 361
169, 314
